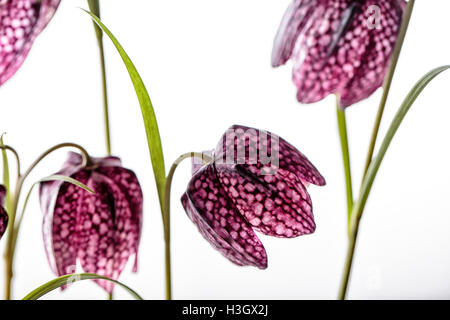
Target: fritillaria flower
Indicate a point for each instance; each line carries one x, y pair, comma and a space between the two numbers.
101, 230
338, 46
254, 181
3, 214
21, 21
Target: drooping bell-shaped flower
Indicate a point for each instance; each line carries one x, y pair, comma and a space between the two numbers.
21, 21
254, 181
338, 46
101, 230
3, 213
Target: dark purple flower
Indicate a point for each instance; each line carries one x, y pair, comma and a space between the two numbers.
21, 21
101, 230
256, 181
3, 213
338, 46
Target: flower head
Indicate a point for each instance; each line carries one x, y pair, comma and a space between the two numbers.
255, 181
101, 230
338, 46
21, 21
3, 213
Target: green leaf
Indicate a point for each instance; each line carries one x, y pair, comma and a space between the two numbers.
70, 278
148, 114
395, 124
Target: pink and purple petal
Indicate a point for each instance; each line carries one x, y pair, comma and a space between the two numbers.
264, 150
3, 213
100, 247
61, 230
102, 230
276, 205
21, 21
339, 48
220, 223
370, 73
127, 183
295, 19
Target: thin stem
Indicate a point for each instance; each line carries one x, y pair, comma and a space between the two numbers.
366, 184
388, 82
342, 126
16, 156
166, 217
105, 101
94, 7
11, 237
349, 259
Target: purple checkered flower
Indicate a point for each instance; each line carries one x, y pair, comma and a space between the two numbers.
21, 21
3, 213
338, 46
254, 180
101, 230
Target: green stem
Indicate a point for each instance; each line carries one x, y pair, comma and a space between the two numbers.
388, 82
71, 278
358, 209
11, 237
94, 7
6, 179
16, 156
166, 217
366, 187
342, 126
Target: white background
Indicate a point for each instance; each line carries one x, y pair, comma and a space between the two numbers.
206, 64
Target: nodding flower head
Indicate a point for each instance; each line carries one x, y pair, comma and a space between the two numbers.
3, 213
338, 46
101, 230
21, 21
254, 181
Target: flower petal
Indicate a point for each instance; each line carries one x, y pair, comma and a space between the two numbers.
328, 50
369, 76
60, 227
3, 213
129, 185
219, 222
21, 21
3, 221
108, 233
264, 150
294, 21
56, 204
345, 48
276, 205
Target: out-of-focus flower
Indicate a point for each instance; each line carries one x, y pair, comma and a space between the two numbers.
21, 21
338, 46
101, 230
3, 213
254, 181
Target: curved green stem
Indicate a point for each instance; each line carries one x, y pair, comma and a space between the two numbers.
71, 278
11, 238
359, 206
16, 156
388, 82
342, 126
166, 217
94, 7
